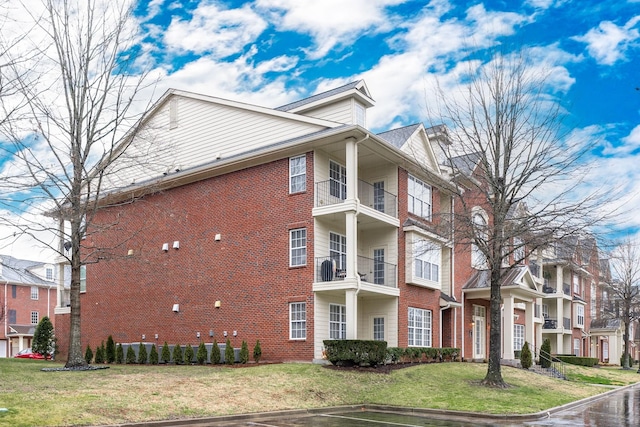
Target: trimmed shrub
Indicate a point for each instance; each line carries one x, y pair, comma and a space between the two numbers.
545, 353
244, 352
110, 350
580, 361
142, 354
178, 357
202, 354
119, 354
88, 355
357, 352
153, 355
188, 354
165, 355
131, 356
215, 353
394, 354
229, 354
257, 352
100, 353
44, 341
525, 356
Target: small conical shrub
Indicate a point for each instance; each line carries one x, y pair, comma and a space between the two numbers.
153, 355
110, 351
545, 354
88, 355
178, 358
244, 352
142, 354
525, 356
131, 356
188, 354
229, 355
119, 354
215, 353
257, 352
165, 355
202, 354
100, 353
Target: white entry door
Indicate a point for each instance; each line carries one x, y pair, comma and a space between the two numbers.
479, 332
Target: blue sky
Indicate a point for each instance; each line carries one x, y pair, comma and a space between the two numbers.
271, 52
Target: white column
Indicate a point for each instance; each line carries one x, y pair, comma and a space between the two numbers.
351, 303
528, 323
351, 150
507, 348
538, 343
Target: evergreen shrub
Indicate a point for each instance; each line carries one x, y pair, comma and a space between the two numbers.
165, 355
357, 352
202, 354
244, 352
525, 356
229, 354
44, 341
545, 354
131, 356
88, 355
119, 354
188, 354
142, 354
257, 352
100, 353
178, 357
110, 355
215, 353
153, 355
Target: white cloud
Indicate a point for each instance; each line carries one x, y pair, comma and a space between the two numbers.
214, 30
331, 23
630, 144
610, 43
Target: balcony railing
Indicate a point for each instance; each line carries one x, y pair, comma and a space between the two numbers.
566, 288
550, 323
333, 193
566, 323
329, 269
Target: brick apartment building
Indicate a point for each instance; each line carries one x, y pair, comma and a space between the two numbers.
290, 226
28, 293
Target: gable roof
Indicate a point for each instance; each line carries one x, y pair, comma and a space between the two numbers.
358, 88
398, 137
18, 271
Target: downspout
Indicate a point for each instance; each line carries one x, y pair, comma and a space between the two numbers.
6, 315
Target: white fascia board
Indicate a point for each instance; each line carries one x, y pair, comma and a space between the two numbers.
368, 102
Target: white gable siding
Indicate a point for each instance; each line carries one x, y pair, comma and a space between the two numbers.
419, 149
340, 112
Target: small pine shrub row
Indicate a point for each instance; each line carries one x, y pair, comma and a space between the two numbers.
422, 354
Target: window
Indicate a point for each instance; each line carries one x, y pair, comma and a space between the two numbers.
576, 347
378, 266
592, 306
337, 322
419, 327
12, 316
34, 317
297, 320
478, 259
14, 291
297, 174
34, 292
518, 250
580, 315
83, 278
378, 196
48, 272
360, 115
576, 284
545, 310
605, 351
518, 337
419, 198
298, 247
427, 260
337, 180
338, 251
378, 328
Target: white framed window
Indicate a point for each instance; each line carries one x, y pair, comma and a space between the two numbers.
576, 347
298, 247
48, 273
83, 278
576, 284
518, 337
338, 251
360, 115
298, 320
378, 266
337, 322
337, 180
419, 327
580, 315
419, 198
478, 258
297, 174
378, 328
378, 196
35, 317
605, 350
34, 292
545, 310
427, 257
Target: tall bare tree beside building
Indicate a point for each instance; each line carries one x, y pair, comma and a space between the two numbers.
624, 289
77, 99
507, 127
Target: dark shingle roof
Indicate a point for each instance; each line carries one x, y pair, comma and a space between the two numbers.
319, 96
464, 164
16, 270
397, 137
611, 324
481, 279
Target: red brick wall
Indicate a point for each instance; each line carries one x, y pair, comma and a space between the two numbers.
247, 270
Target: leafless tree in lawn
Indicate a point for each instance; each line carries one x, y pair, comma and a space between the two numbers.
624, 289
77, 100
507, 127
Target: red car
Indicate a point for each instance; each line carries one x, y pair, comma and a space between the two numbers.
28, 354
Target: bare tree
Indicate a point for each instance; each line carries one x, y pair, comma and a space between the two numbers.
520, 174
77, 101
624, 289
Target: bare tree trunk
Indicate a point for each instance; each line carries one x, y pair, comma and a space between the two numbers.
493, 377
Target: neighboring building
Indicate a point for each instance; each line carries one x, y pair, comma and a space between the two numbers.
291, 225
28, 294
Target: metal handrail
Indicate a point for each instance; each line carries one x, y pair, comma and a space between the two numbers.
557, 367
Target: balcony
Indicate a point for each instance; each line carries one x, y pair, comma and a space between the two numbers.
566, 323
550, 323
333, 193
566, 288
370, 271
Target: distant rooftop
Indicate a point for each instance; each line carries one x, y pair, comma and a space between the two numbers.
323, 95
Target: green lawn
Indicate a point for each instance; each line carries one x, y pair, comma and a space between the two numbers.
132, 393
